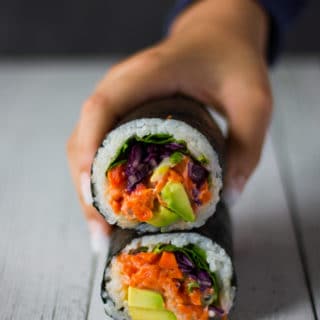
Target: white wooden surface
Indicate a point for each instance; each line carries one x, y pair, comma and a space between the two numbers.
296, 130
46, 268
45, 258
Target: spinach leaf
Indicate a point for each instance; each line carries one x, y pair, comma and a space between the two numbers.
176, 157
203, 159
157, 138
192, 285
120, 154
117, 163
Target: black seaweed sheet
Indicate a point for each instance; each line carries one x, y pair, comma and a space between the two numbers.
186, 110
218, 228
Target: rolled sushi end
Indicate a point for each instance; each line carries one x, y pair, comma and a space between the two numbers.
169, 276
163, 174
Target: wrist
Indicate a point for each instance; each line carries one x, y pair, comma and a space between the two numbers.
242, 21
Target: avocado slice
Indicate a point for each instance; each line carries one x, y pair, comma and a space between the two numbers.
148, 299
163, 217
176, 198
160, 170
149, 314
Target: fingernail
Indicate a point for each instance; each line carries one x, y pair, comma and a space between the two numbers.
233, 191
86, 188
99, 239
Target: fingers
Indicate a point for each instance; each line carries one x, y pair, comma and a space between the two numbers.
248, 112
128, 84
99, 229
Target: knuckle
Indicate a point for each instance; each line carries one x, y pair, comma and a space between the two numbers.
69, 146
262, 98
256, 157
154, 58
97, 100
149, 59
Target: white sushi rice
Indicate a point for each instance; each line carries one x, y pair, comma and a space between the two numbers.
218, 260
197, 144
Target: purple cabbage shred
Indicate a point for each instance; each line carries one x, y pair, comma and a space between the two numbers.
218, 311
187, 267
144, 158
197, 173
195, 196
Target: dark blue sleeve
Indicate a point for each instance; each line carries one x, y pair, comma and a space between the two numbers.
281, 13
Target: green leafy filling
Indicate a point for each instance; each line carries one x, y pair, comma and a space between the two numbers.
198, 256
158, 138
192, 285
203, 159
138, 250
118, 158
176, 157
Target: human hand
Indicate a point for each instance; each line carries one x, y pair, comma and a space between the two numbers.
214, 53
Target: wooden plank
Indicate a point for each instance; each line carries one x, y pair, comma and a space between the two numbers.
45, 260
96, 309
45, 257
270, 276
296, 128
271, 283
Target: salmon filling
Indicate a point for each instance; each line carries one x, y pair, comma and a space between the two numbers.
137, 182
188, 291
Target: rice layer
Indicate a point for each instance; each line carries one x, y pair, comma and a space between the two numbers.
197, 144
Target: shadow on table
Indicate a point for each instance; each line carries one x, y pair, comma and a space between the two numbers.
271, 281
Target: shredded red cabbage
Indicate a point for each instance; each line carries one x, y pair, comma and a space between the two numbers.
195, 196
204, 280
188, 267
197, 173
144, 157
184, 263
174, 146
218, 311
136, 170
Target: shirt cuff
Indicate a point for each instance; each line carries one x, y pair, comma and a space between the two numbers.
281, 14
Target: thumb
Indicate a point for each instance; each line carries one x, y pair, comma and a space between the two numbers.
125, 86
248, 118
128, 84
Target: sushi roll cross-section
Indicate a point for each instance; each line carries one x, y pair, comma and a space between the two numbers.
182, 276
156, 173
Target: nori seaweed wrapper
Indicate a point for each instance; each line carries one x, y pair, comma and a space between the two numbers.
218, 228
184, 109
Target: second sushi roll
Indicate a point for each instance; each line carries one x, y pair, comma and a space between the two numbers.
171, 276
160, 168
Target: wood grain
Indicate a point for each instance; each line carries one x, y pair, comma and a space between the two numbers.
271, 282
46, 267
45, 258
296, 135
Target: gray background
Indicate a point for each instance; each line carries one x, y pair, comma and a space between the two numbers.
102, 26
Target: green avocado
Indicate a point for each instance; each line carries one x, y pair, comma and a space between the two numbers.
177, 200
149, 314
160, 170
140, 298
163, 217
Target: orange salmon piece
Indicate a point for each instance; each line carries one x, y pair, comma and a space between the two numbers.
117, 176
168, 260
205, 194
139, 203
